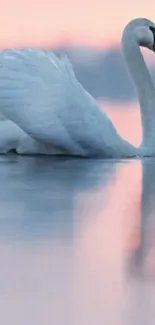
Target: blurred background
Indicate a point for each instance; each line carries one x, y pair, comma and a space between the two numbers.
89, 31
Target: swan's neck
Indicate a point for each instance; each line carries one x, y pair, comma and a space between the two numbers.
145, 89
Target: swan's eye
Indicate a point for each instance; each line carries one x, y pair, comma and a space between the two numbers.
153, 32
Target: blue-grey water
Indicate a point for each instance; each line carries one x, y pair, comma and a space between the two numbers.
77, 241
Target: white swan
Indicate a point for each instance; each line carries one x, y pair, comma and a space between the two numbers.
51, 113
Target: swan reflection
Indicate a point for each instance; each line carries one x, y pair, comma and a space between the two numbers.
77, 241
38, 195
139, 260
142, 255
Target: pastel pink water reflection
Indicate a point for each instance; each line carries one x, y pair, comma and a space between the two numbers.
83, 280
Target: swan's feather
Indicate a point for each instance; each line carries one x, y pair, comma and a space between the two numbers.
35, 87
39, 92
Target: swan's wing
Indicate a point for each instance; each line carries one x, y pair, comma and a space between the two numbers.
11, 136
39, 92
35, 89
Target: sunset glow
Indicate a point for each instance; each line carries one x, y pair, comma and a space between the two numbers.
89, 22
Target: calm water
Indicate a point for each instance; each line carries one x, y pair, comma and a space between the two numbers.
77, 241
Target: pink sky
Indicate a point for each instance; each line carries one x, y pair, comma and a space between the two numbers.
90, 22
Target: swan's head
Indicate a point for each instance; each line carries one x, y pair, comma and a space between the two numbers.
152, 28
143, 32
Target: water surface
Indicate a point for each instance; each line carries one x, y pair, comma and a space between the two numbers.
77, 241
